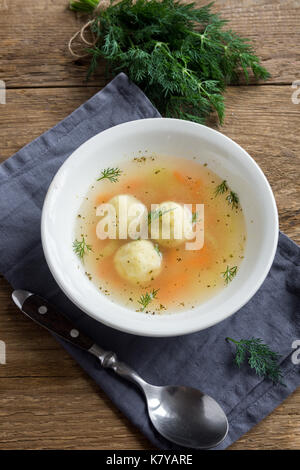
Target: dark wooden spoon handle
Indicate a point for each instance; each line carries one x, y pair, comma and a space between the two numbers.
46, 315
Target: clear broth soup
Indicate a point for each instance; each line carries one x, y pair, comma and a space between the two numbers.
187, 277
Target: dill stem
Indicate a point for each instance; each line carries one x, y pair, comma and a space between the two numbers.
230, 339
131, 42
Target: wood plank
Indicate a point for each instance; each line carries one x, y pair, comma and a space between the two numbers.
46, 401
273, 28
34, 37
30, 112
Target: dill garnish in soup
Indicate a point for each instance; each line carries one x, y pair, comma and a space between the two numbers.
155, 263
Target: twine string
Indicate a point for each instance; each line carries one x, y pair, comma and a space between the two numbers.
102, 5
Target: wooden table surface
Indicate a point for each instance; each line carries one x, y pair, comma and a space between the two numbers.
46, 401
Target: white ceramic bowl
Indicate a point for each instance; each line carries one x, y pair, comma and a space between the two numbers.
166, 137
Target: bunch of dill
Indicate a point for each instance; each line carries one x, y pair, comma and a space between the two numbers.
261, 358
181, 56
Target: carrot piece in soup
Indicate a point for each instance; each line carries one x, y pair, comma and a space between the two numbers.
180, 177
132, 185
203, 259
103, 198
173, 287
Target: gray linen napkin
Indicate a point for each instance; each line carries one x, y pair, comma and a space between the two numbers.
202, 360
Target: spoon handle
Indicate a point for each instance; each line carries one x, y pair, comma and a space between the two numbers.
46, 315
109, 360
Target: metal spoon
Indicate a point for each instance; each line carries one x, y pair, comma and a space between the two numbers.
182, 415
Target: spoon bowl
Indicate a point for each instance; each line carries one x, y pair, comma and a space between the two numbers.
183, 415
186, 416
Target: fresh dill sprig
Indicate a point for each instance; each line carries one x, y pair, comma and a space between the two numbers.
147, 298
181, 55
221, 188
229, 274
87, 6
156, 247
81, 248
233, 200
112, 174
157, 214
194, 217
260, 358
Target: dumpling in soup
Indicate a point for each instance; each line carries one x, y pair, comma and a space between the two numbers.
138, 261
130, 214
174, 225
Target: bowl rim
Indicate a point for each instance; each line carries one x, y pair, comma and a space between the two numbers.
180, 329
